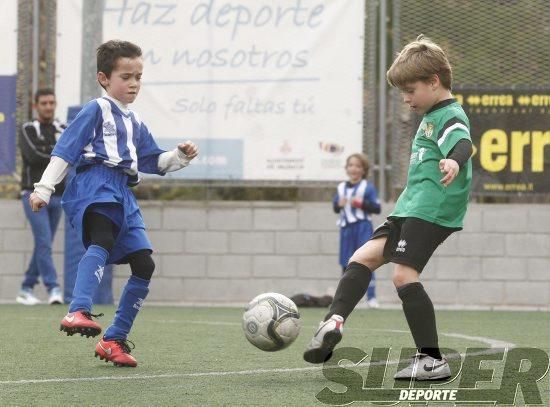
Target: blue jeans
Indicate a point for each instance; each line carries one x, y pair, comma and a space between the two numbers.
43, 225
74, 250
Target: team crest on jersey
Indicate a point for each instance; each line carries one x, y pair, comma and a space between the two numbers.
109, 129
428, 129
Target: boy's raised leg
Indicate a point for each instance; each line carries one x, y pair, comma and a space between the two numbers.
90, 271
350, 291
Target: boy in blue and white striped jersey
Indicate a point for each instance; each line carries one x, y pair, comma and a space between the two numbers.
108, 144
355, 200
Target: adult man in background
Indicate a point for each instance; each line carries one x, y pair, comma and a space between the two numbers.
37, 139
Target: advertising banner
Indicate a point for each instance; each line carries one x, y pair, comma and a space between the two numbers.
510, 130
268, 90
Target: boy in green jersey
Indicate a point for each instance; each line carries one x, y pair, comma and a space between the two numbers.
429, 210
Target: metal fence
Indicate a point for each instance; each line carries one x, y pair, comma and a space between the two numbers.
490, 43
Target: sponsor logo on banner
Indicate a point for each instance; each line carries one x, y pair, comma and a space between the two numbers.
285, 162
331, 148
285, 148
334, 152
217, 159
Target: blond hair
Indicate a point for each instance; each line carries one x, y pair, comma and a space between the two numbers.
420, 60
364, 162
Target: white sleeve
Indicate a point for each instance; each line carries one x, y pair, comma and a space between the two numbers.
53, 175
172, 160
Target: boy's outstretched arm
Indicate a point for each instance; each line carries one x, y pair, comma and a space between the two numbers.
53, 175
178, 158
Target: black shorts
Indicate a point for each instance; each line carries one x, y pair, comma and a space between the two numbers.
411, 241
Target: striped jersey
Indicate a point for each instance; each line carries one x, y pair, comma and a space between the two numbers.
362, 190
425, 197
102, 133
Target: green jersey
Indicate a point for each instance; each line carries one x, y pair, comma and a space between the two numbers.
425, 197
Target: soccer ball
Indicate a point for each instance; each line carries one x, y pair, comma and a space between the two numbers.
271, 322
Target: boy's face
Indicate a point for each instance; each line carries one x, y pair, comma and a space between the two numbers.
45, 108
355, 170
125, 80
420, 95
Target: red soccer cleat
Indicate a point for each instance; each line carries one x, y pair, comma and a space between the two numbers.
116, 351
80, 322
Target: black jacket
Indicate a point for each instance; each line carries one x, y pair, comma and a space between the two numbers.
36, 141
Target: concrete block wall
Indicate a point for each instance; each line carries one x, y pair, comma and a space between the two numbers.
228, 252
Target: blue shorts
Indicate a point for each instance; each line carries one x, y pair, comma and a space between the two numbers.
102, 189
352, 237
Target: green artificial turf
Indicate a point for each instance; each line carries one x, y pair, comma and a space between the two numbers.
199, 357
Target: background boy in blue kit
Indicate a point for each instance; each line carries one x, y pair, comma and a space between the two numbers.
355, 200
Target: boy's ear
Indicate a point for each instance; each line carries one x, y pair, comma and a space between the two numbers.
434, 82
102, 79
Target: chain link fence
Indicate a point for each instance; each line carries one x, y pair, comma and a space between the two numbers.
490, 43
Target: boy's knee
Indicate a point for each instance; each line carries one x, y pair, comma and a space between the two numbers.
142, 264
368, 255
398, 280
404, 275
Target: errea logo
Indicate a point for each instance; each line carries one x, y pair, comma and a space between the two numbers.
401, 245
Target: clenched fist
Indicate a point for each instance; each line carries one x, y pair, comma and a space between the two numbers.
36, 203
189, 148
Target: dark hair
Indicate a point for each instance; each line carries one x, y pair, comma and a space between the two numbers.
43, 92
109, 52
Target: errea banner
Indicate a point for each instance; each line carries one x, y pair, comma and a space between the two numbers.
284, 78
510, 130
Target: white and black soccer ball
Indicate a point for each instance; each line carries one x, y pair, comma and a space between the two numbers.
271, 322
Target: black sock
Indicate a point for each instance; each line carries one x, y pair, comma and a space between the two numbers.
351, 289
420, 315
